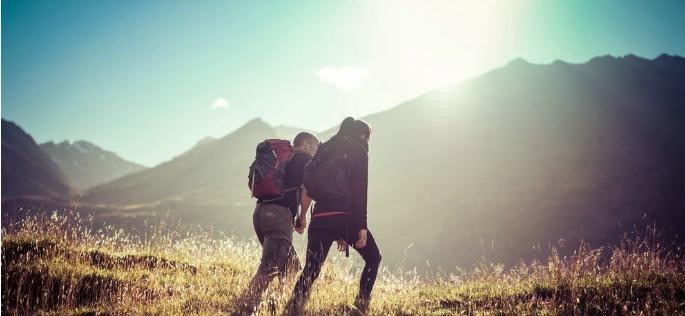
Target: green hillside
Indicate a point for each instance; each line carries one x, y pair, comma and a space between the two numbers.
51, 266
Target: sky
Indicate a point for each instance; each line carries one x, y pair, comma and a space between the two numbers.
148, 79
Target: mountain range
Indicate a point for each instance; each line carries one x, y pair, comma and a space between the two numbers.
501, 166
85, 164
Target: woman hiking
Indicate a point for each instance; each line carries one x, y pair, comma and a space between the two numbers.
341, 216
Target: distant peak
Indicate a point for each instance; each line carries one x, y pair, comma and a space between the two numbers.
668, 58
664, 56
85, 145
559, 62
205, 140
256, 125
10, 123
518, 62
633, 57
602, 59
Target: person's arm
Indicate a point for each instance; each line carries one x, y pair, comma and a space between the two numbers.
360, 182
304, 199
305, 202
359, 185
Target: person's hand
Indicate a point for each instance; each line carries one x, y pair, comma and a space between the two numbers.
341, 244
300, 224
302, 221
298, 229
361, 243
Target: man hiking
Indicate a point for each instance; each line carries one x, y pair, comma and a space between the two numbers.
337, 179
274, 213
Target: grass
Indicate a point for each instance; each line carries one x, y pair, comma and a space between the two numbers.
57, 265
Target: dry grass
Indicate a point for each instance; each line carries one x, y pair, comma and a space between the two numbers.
57, 265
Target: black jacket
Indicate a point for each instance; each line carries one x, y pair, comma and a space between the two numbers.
357, 169
294, 173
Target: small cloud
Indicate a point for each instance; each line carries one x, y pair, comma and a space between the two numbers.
344, 78
220, 103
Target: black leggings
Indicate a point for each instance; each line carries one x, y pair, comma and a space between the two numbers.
318, 244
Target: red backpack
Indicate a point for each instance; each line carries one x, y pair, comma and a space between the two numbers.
268, 169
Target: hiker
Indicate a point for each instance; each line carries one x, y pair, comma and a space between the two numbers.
339, 212
275, 211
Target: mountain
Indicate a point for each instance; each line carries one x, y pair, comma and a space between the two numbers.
509, 163
26, 169
205, 140
86, 164
530, 154
501, 166
205, 185
205, 173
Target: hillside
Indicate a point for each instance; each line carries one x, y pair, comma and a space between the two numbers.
26, 169
206, 173
204, 185
112, 273
86, 164
503, 164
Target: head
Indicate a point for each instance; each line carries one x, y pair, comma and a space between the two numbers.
306, 142
355, 129
364, 130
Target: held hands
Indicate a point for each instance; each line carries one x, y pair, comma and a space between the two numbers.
361, 243
300, 224
341, 244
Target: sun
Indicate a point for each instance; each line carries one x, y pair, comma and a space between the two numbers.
440, 41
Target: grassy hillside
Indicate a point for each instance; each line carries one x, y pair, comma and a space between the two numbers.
53, 266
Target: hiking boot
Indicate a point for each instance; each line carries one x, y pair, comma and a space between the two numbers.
294, 307
361, 306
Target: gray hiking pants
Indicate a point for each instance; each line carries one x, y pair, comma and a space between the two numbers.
273, 224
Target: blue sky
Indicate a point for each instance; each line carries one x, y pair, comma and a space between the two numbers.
147, 79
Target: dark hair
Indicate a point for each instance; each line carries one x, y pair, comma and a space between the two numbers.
303, 137
354, 128
363, 128
347, 127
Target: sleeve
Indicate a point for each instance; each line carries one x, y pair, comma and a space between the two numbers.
359, 181
298, 176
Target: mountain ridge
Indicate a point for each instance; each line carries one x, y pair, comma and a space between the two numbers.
26, 169
86, 164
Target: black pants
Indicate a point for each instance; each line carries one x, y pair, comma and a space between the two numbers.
319, 243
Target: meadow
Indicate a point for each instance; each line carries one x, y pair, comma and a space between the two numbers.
60, 264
